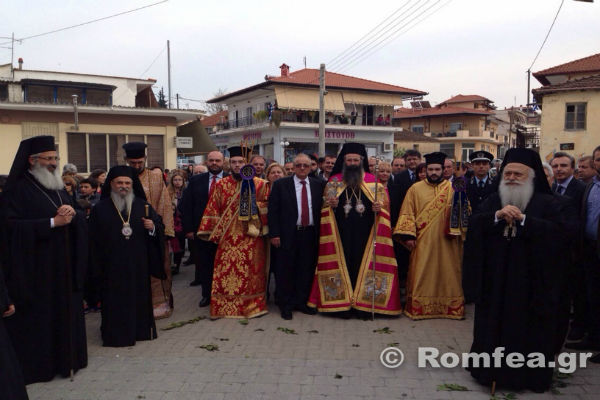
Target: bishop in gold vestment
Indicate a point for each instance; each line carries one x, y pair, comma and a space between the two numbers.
240, 274
433, 285
158, 197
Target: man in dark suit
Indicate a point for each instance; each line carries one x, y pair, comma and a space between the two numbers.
590, 214
481, 185
192, 205
571, 189
294, 215
401, 183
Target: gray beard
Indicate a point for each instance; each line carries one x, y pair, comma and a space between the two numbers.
123, 203
517, 195
49, 180
352, 175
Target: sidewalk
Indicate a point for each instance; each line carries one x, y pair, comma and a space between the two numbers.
326, 358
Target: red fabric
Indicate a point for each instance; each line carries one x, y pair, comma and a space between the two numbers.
304, 217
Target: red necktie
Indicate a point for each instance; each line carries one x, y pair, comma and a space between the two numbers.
304, 217
213, 183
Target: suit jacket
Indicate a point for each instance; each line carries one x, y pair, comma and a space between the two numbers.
575, 191
584, 216
193, 202
283, 209
397, 191
477, 195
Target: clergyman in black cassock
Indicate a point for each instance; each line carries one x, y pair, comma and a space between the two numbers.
513, 273
122, 265
45, 268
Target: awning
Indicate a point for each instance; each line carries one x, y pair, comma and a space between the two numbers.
307, 99
373, 99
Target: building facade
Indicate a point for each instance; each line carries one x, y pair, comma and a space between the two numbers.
90, 117
280, 115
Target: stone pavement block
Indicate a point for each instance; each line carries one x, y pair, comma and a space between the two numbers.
299, 379
218, 387
356, 390
318, 389
289, 389
251, 388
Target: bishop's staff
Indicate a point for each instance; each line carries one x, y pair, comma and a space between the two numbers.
374, 242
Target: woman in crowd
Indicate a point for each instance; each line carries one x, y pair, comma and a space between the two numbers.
421, 172
175, 189
70, 186
273, 172
99, 175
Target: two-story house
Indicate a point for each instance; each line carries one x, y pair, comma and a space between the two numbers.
570, 102
280, 115
90, 116
462, 124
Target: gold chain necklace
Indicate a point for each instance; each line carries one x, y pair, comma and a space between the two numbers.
126, 230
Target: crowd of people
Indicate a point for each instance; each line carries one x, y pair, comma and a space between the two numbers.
345, 234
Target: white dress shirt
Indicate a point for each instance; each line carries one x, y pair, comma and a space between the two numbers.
298, 186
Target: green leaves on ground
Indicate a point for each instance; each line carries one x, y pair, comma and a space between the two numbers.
337, 376
287, 331
504, 396
243, 321
452, 387
393, 344
313, 331
259, 330
355, 345
182, 323
386, 330
209, 347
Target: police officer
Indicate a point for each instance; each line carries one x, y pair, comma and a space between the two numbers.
481, 185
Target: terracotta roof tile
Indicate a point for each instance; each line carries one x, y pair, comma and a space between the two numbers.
586, 64
409, 136
461, 98
589, 82
310, 77
214, 119
403, 113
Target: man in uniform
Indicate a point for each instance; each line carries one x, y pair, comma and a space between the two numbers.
481, 185
158, 197
351, 216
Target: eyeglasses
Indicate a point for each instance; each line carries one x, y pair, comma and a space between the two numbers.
49, 158
302, 165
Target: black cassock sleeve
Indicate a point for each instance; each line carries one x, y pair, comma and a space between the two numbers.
156, 246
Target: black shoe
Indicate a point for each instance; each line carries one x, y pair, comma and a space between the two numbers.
195, 283
576, 334
189, 261
205, 301
595, 359
306, 309
286, 314
584, 345
174, 270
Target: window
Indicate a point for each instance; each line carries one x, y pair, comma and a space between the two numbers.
467, 149
97, 97
116, 152
448, 149
77, 150
156, 155
3, 92
418, 129
39, 94
97, 145
575, 116
455, 126
64, 95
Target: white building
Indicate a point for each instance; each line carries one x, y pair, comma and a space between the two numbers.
280, 115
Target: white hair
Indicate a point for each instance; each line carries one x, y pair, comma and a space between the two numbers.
518, 193
49, 180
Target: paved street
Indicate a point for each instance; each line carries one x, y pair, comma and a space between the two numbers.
327, 358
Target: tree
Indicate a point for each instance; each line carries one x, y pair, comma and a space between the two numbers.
213, 108
162, 100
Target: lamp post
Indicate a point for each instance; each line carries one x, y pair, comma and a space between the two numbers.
284, 143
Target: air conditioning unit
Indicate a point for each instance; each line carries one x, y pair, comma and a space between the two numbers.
388, 147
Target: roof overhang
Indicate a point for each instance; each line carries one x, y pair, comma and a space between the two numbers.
45, 82
181, 116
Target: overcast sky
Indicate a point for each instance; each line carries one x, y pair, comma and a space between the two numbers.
467, 46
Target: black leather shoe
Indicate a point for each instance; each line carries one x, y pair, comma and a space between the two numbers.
174, 270
205, 301
576, 334
584, 345
195, 283
187, 262
306, 309
286, 314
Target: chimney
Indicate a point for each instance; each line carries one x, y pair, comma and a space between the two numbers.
285, 70
20, 63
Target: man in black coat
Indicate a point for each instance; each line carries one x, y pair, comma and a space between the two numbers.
192, 205
512, 269
294, 215
481, 185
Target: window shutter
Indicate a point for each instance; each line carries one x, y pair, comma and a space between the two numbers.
97, 151
77, 150
156, 152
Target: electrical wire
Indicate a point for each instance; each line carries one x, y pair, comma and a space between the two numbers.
152, 63
548, 34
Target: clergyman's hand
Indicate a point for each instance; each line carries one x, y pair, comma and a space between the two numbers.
276, 241
62, 220
66, 210
377, 206
148, 223
9, 312
509, 213
410, 244
333, 202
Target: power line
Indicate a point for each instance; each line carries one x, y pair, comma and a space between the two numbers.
367, 34
389, 36
548, 34
89, 22
152, 63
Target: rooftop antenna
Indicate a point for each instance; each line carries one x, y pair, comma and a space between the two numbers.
304, 58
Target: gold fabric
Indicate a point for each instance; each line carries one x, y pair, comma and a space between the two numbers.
433, 285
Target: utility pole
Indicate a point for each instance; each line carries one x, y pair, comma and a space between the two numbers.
169, 69
177, 96
322, 111
528, 86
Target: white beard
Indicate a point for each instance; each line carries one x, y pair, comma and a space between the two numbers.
123, 203
517, 195
49, 180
